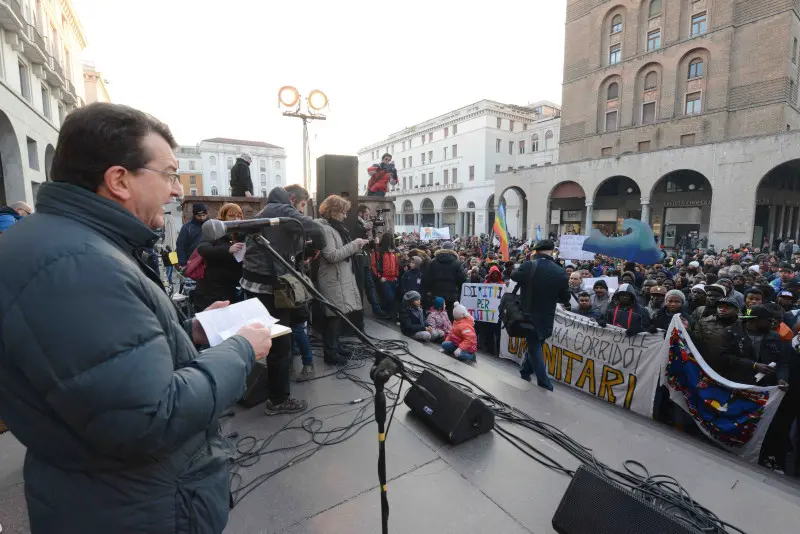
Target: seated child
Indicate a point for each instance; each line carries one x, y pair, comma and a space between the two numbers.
438, 320
412, 318
462, 342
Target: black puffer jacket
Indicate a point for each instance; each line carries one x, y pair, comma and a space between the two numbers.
286, 239
99, 378
222, 275
445, 276
240, 178
543, 292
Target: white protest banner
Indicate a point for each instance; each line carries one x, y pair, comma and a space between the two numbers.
611, 281
570, 247
427, 233
735, 416
482, 300
601, 361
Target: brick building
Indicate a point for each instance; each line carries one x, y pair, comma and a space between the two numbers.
645, 80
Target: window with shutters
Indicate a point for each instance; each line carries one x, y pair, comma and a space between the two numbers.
648, 112
611, 121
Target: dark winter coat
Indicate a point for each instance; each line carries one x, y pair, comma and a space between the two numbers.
101, 382
412, 319
240, 178
663, 318
189, 238
223, 272
541, 294
738, 356
708, 334
445, 276
634, 319
286, 239
411, 281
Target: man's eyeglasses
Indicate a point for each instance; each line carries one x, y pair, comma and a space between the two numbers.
174, 177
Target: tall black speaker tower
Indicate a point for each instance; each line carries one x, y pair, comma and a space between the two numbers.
338, 175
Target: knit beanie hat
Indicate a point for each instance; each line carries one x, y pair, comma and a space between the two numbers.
411, 295
600, 283
198, 207
676, 293
438, 303
459, 311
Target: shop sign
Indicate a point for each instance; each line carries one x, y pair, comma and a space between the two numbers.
685, 203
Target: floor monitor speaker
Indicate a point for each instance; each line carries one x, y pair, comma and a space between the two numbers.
456, 414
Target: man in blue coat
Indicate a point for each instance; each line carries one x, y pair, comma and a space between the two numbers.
544, 283
99, 377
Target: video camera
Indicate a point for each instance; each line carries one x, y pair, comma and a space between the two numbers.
378, 221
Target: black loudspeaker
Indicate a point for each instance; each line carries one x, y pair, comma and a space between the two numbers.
593, 503
338, 175
456, 414
255, 390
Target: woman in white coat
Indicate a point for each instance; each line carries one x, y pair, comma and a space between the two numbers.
336, 278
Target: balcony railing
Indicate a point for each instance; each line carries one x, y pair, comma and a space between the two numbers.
57, 67
429, 189
16, 7
70, 87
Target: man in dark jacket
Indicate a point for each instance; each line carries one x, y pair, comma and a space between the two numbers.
241, 183
623, 311
540, 294
191, 234
260, 278
750, 346
708, 333
444, 277
100, 379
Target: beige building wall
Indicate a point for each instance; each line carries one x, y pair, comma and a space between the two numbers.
748, 84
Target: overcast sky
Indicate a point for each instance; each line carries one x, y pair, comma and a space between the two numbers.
213, 68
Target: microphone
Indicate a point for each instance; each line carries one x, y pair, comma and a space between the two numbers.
214, 229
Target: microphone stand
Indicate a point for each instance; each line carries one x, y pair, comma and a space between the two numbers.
386, 365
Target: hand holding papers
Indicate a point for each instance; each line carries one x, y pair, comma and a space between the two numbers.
222, 323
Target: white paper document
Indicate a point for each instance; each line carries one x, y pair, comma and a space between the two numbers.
223, 323
239, 254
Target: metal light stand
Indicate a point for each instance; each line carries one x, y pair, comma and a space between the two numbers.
305, 117
386, 365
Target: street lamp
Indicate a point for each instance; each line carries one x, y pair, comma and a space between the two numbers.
290, 97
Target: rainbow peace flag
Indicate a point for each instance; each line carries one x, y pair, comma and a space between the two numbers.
501, 229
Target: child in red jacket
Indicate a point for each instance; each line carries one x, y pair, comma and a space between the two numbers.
462, 342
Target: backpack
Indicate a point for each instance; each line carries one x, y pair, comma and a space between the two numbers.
512, 313
196, 267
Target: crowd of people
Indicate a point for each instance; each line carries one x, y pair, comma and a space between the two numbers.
109, 387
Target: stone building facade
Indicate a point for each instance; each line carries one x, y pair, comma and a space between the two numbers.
681, 113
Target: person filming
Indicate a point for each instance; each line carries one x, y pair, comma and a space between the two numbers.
381, 176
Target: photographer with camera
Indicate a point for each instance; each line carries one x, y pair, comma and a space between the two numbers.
366, 230
381, 176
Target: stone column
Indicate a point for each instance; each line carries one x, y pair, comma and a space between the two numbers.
796, 229
459, 223
771, 227
646, 210
790, 223
416, 219
589, 213
780, 223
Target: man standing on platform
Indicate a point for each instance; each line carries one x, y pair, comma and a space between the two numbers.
544, 284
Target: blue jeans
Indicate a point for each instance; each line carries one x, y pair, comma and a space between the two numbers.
534, 362
300, 338
376, 193
387, 291
170, 270
450, 347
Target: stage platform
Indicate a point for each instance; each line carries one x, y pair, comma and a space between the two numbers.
482, 486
